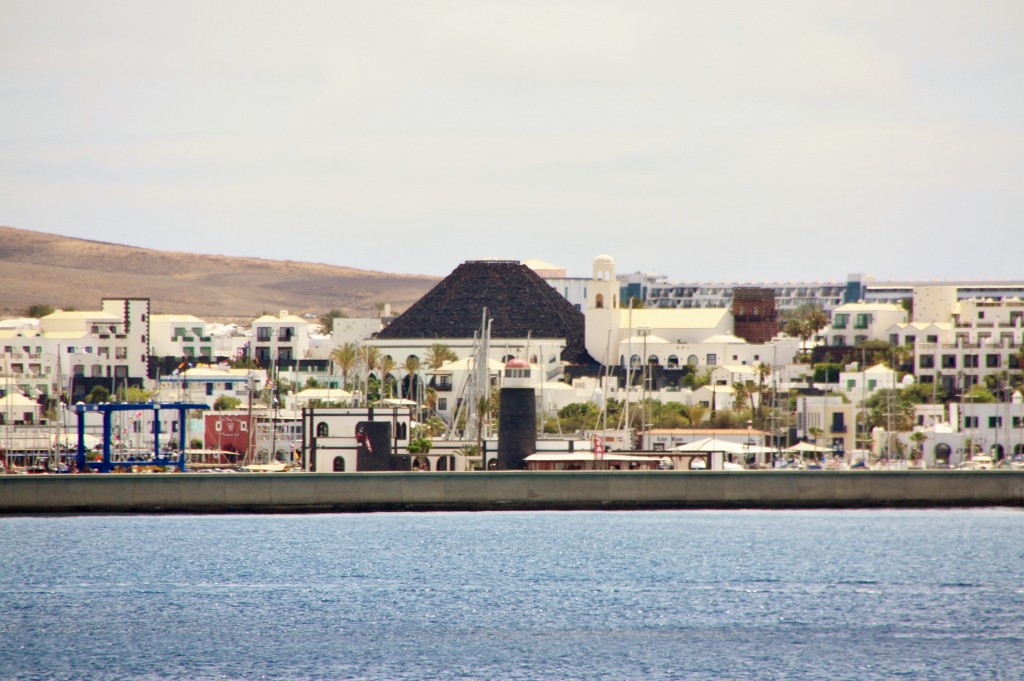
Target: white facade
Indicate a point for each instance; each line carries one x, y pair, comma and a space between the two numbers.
671, 338
280, 338
204, 384
860, 385
112, 343
855, 323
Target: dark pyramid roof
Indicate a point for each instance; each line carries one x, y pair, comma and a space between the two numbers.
518, 302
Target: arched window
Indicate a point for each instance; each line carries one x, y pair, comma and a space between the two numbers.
673, 362
322, 429
653, 360
692, 360
634, 360
942, 452
339, 464
599, 301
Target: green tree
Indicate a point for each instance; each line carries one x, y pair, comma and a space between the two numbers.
344, 357
578, 416
805, 323
890, 406
762, 371
386, 365
979, 394
697, 413
98, 395
327, 320
38, 311
226, 403
369, 356
438, 354
918, 438
412, 370
134, 395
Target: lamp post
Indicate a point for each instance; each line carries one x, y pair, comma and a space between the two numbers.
643, 332
750, 425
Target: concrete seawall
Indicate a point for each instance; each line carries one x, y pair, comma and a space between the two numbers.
506, 490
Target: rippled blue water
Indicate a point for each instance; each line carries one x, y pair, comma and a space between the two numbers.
631, 595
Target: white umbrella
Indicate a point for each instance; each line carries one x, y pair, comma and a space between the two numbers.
807, 447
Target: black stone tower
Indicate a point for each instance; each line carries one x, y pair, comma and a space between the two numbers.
517, 427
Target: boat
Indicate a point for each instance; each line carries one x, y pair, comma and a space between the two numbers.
978, 462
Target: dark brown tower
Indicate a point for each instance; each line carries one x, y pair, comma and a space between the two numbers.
753, 311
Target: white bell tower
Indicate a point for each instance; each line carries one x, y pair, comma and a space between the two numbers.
603, 290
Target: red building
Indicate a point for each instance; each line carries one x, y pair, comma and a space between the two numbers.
227, 431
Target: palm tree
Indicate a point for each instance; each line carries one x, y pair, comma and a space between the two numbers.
386, 365
368, 357
412, 368
696, 413
763, 371
741, 393
438, 354
344, 357
798, 328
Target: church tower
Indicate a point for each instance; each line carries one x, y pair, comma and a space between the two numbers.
603, 312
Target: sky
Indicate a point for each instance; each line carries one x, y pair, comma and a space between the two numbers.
702, 141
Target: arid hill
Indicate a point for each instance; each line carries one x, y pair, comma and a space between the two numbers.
63, 272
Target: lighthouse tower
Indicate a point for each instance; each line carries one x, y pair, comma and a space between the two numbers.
517, 427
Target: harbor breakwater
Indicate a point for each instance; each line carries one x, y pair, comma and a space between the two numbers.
504, 490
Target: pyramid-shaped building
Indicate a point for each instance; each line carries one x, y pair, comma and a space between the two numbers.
518, 301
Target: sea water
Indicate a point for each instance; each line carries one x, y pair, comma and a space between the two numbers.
543, 595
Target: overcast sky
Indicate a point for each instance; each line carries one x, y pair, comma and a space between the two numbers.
699, 140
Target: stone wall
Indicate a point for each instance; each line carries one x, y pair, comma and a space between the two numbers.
330, 492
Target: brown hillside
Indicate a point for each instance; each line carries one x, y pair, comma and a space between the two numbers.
76, 273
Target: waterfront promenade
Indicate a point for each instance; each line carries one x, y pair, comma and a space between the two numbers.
504, 490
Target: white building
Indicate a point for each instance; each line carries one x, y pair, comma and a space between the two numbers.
110, 344
859, 385
279, 339
670, 338
205, 383
855, 323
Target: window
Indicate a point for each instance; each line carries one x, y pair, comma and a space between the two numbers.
840, 321
949, 361
442, 403
926, 362
712, 359
121, 353
862, 321
970, 361
285, 333
970, 422
339, 464
872, 383
839, 341
894, 339
995, 421
1015, 422
322, 429
992, 361
263, 334
932, 339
